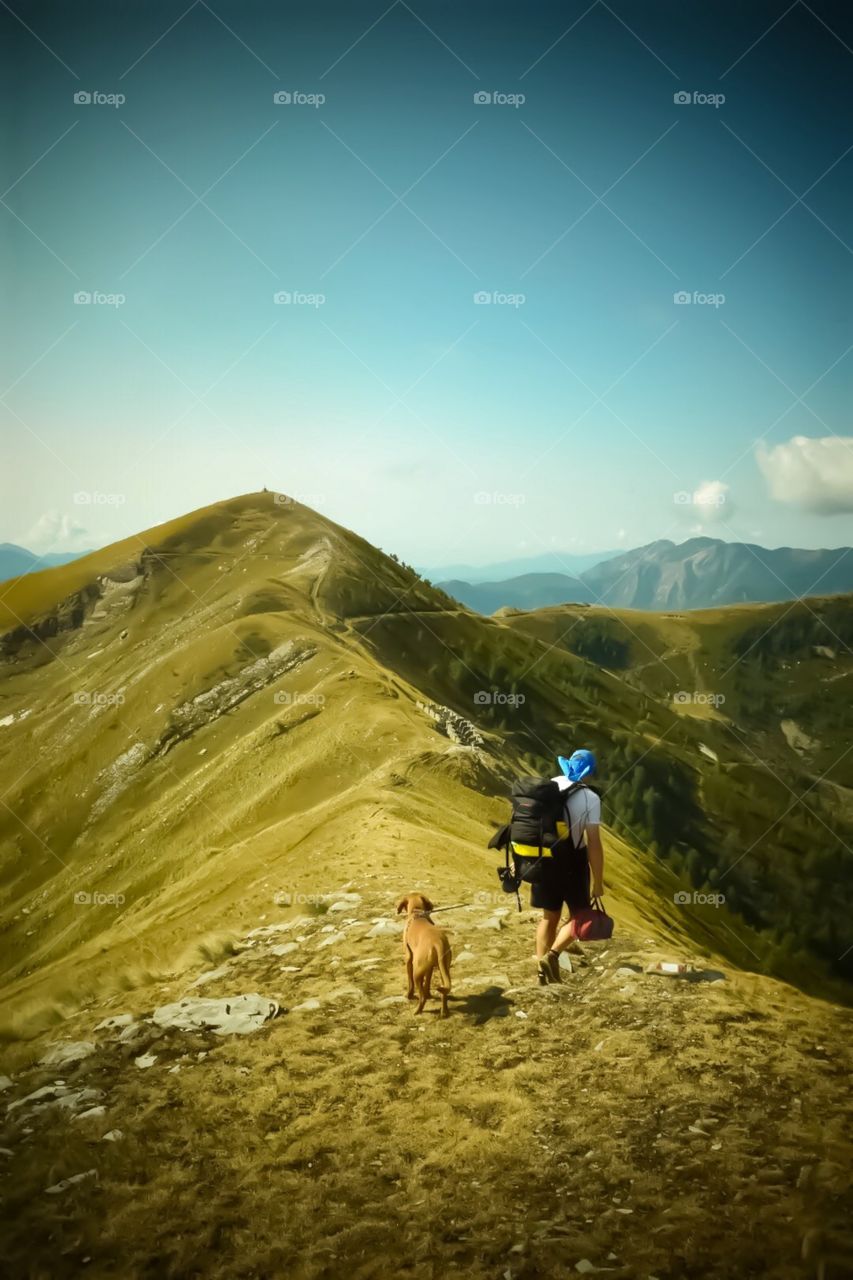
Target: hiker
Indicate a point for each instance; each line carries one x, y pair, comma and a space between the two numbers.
553, 840
566, 876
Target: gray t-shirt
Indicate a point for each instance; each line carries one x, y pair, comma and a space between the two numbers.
583, 807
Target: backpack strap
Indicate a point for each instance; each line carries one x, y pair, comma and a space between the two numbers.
570, 790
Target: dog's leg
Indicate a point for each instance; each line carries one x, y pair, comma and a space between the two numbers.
410, 975
444, 958
422, 992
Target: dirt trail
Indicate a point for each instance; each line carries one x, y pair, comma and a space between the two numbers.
651, 1127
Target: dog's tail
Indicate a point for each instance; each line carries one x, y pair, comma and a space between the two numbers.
443, 958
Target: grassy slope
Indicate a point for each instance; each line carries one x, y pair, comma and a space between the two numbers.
654, 1127
491, 1142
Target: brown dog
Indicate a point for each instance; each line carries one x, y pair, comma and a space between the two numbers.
425, 948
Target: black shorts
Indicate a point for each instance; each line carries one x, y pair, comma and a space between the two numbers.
559, 880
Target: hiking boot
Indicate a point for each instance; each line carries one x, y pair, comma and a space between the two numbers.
543, 973
550, 964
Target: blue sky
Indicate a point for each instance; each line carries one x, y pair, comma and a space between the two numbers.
580, 408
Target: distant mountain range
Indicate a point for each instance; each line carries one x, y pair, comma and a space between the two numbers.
15, 560
698, 574
547, 562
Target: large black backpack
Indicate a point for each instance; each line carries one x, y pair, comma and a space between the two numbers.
538, 804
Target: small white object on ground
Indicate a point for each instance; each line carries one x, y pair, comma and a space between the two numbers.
331, 939
145, 1060
69, 1182
114, 1135
94, 1113
284, 948
5, 1083
584, 1266
70, 1051
307, 1006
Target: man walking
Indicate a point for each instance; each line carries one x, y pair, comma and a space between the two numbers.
566, 876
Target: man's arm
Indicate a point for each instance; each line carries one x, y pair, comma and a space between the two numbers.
595, 851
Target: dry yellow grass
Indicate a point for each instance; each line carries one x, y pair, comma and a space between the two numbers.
678, 1129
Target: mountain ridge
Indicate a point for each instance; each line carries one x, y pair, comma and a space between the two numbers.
163, 642
702, 572
232, 743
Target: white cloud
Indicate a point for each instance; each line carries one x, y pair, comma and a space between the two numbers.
710, 499
815, 474
707, 503
54, 531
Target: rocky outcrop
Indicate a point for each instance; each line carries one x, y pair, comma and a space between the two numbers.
109, 593
187, 718
452, 725
232, 1016
206, 707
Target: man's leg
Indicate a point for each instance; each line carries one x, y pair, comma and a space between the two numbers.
564, 941
546, 932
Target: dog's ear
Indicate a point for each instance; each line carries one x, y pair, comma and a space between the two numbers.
427, 905
402, 905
